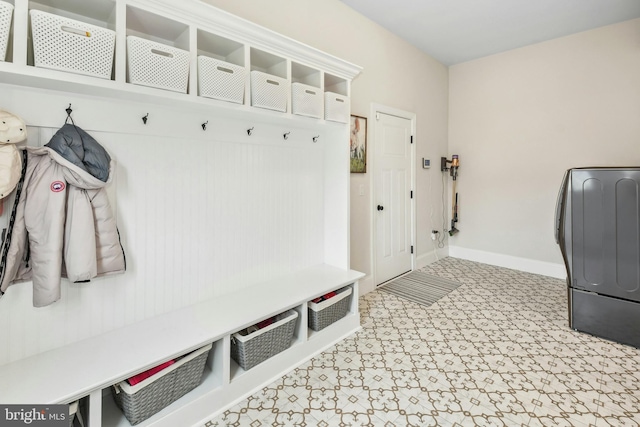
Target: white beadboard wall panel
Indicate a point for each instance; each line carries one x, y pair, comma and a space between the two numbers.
336, 199
273, 207
200, 213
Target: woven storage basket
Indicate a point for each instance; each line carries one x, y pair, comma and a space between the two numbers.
6, 11
220, 80
336, 107
157, 65
250, 350
269, 91
76, 410
150, 396
73, 408
306, 100
329, 311
69, 45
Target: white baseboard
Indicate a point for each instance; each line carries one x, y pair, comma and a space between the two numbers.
523, 264
365, 285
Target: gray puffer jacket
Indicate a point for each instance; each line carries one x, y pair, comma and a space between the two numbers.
61, 223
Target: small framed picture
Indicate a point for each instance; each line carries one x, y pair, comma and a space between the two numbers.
358, 144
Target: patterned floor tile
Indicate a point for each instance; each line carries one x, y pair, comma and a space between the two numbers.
619, 403
353, 400
496, 351
618, 420
628, 382
577, 407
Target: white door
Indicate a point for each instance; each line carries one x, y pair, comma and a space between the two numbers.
392, 197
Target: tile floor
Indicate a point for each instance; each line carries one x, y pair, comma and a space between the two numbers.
497, 351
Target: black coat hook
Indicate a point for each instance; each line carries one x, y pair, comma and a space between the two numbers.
315, 138
249, 131
69, 111
145, 118
204, 125
286, 136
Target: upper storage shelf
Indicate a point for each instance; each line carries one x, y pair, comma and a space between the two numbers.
154, 51
95, 12
157, 28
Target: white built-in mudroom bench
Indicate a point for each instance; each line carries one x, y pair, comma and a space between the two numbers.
231, 195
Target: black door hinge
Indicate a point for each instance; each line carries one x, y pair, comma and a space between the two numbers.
412, 139
411, 248
412, 194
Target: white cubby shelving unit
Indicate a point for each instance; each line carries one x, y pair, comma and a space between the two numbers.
263, 221
306, 96
221, 68
270, 81
336, 99
6, 20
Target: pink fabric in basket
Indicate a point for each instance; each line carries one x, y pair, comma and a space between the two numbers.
146, 374
324, 297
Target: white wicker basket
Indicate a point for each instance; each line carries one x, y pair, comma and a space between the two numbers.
75, 414
6, 10
140, 401
306, 100
253, 349
157, 65
269, 91
220, 80
329, 311
336, 107
66, 44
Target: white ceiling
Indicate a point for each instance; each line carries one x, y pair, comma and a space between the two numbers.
454, 31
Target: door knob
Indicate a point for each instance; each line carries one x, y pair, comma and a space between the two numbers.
380, 208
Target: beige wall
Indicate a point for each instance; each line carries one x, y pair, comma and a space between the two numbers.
395, 74
519, 119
